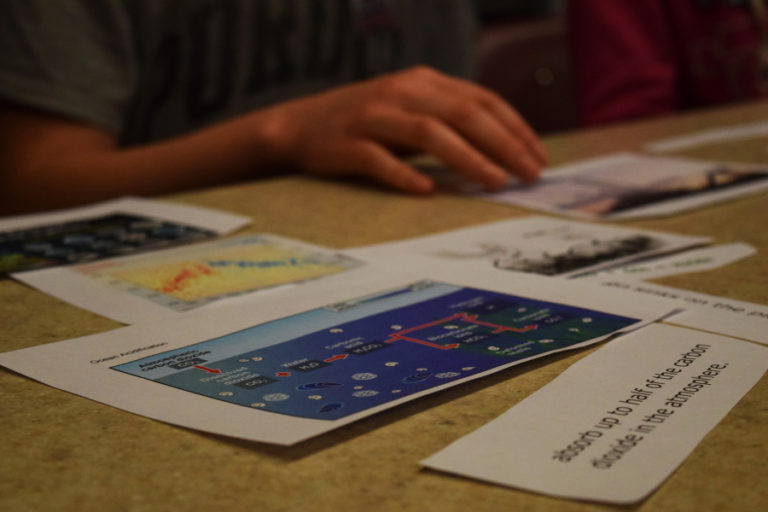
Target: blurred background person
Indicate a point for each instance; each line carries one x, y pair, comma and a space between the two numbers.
638, 58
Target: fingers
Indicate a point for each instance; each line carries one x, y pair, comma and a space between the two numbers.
485, 132
487, 122
400, 128
368, 158
391, 171
505, 114
353, 130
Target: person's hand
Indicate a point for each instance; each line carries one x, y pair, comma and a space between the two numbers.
53, 161
358, 129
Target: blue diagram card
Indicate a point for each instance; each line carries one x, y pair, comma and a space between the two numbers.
331, 362
304, 361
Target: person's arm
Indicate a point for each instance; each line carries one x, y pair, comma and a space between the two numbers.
624, 59
47, 161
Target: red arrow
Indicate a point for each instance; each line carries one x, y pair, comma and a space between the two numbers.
206, 369
422, 342
283, 374
335, 358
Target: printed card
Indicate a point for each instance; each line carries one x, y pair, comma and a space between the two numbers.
617, 423
105, 230
350, 345
161, 284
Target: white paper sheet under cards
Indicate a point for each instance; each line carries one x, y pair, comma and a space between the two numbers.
721, 315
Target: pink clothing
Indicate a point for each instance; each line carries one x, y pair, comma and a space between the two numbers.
636, 58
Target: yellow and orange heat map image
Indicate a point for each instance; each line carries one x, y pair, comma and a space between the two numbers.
219, 271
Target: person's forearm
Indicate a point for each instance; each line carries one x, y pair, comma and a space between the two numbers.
80, 164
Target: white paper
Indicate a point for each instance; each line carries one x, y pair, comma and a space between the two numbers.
161, 284
535, 244
617, 423
347, 362
694, 260
714, 135
721, 315
104, 230
627, 185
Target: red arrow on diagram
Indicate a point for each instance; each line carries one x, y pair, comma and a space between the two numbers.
335, 358
206, 369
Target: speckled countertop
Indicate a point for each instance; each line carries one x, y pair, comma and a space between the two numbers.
65, 453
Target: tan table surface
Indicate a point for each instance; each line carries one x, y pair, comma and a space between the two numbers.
66, 453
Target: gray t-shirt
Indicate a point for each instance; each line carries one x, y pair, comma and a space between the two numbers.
150, 69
